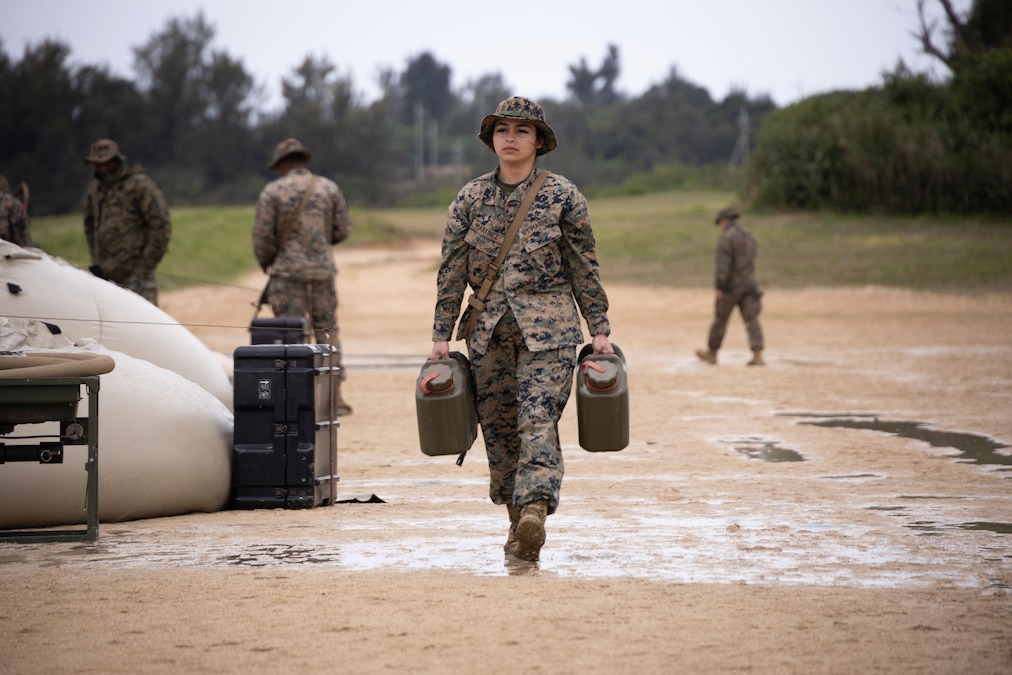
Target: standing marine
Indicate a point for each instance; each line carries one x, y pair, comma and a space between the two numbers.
523, 345
300, 217
13, 216
126, 222
736, 287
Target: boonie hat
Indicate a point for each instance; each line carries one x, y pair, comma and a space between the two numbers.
519, 108
287, 148
728, 212
103, 150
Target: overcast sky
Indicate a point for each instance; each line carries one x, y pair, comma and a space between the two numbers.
788, 49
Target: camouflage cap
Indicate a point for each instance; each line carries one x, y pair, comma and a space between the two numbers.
102, 151
729, 212
287, 148
519, 108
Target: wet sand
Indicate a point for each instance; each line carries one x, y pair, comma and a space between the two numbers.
692, 550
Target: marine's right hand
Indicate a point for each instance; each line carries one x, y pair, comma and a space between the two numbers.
440, 350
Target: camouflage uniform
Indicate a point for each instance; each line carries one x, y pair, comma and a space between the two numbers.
13, 219
523, 348
735, 278
301, 265
126, 223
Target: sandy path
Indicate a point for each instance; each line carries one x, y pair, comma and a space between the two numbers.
686, 552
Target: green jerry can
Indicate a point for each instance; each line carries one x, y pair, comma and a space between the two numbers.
602, 400
444, 403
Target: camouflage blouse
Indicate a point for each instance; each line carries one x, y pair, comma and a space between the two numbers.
302, 248
736, 256
126, 223
13, 221
551, 268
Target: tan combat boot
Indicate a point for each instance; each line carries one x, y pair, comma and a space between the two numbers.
708, 355
531, 530
757, 358
342, 406
510, 547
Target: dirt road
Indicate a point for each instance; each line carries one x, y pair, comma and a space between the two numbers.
847, 508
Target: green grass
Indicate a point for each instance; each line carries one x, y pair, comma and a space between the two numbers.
918, 253
209, 245
664, 239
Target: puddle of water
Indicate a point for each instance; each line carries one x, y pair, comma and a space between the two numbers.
701, 536
806, 362
733, 542
766, 451
935, 529
973, 448
771, 452
262, 556
1000, 528
926, 528
928, 497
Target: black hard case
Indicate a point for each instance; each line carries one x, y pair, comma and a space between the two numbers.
283, 426
278, 330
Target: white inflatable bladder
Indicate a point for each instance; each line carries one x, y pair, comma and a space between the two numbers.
38, 286
164, 445
165, 420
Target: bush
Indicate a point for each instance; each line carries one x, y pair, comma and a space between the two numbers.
905, 148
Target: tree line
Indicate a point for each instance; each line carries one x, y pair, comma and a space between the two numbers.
910, 146
192, 115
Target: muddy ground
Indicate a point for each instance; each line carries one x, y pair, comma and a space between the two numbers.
845, 509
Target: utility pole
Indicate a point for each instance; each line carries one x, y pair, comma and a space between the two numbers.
433, 143
457, 153
740, 154
419, 140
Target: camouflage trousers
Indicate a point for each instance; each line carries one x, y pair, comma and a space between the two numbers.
143, 284
521, 395
315, 299
749, 303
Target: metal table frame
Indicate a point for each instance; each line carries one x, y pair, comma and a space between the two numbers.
90, 424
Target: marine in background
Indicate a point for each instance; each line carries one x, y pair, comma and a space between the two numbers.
300, 217
736, 286
14, 215
126, 222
